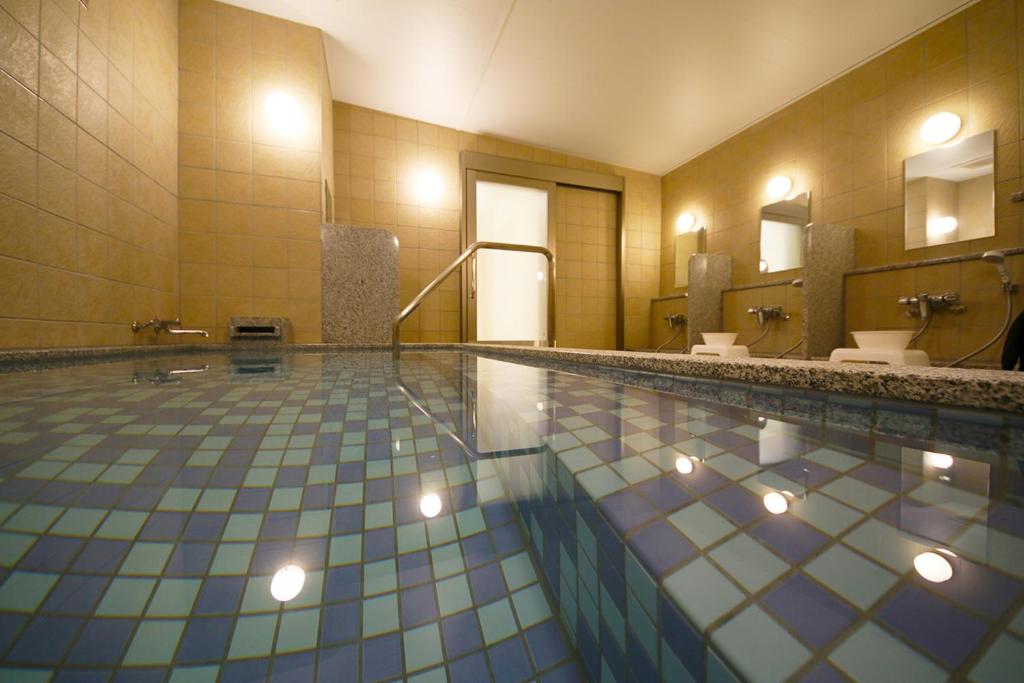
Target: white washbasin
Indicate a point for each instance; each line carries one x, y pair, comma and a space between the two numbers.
883, 340
719, 338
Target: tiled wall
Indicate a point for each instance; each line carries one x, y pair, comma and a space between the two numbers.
378, 158
846, 143
783, 333
586, 254
250, 117
660, 331
88, 169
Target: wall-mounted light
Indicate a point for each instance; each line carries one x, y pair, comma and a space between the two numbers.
941, 461
778, 187
775, 502
941, 225
685, 222
287, 582
428, 187
940, 127
430, 505
934, 567
284, 115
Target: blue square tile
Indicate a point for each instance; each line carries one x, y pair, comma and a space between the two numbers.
811, 612
45, 640
509, 661
341, 623
661, 548
205, 639
472, 669
547, 645
418, 605
790, 537
627, 510
461, 634
738, 504
343, 583
382, 658
946, 632
101, 642
338, 664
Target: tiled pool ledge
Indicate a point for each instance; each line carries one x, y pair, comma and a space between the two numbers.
985, 389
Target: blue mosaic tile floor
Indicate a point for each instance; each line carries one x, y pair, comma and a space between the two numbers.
587, 530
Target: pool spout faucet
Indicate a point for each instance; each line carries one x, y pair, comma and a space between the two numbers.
169, 326
924, 304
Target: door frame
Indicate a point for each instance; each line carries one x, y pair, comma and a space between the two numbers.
524, 172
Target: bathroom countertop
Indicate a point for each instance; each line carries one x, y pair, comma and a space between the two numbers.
966, 388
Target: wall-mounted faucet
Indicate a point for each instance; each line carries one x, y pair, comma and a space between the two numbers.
924, 304
169, 326
674, 320
768, 313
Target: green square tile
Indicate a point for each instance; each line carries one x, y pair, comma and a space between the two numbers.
320, 474
232, 559
379, 577
886, 545
826, 514
242, 526
82, 472
441, 530
1005, 655
204, 459
125, 597
871, 654
43, 469
422, 647
311, 594
147, 559
437, 675
447, 560
378, 515
122, 525
635, 469
748, 562
531, 606
412, 537
298, 630
260, 477
578, 459
518, 571
137, 456
380, 615
497, 621
13, 547
257, 596
856, 493
348, 494
253, 637
833, 459
470, 522
154, 643
179, 499
600, 481
120, 474
852, 576
25, 591
313, 523
759, 648
286, 499
174, 598
732, 466
453, 595
216, 500
346, 550
33, 518
703, 592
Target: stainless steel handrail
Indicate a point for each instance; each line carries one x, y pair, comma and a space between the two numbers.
396, 324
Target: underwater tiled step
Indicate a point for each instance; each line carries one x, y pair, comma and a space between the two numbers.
458, 518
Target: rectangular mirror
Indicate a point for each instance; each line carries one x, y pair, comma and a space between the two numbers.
687, 244
782, 233
949, 193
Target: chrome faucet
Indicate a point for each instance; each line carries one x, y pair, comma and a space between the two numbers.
767, 313
169, 326
924, 304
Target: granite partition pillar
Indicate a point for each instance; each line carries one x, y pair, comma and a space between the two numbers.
709, 275
828, 254
359, 279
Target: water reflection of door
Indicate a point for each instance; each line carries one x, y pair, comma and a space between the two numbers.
507, 292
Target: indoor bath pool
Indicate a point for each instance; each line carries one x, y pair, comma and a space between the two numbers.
453, 517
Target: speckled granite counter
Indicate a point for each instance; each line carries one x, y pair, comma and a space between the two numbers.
965, 388
988, 389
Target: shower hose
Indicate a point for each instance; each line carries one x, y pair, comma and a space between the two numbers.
764, 332
1006, 325
670, 340
791, 349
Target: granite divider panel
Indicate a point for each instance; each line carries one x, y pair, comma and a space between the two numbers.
709, 275
829, 252
360, 284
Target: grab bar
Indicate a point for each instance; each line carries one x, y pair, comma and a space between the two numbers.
396, 324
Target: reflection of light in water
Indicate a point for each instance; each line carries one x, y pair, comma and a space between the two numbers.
540, 406
684, 465
430, 505
398, 444
938, 460
287, 582
775, 503
933, 567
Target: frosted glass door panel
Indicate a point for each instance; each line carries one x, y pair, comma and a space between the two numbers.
511, 288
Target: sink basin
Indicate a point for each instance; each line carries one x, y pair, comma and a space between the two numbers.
719, 338
883, 340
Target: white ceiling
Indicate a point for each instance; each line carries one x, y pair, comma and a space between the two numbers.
646, 84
